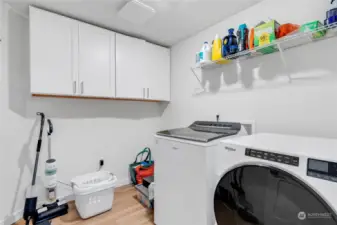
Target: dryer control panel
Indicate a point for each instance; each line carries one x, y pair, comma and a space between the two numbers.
322, 170
271, 156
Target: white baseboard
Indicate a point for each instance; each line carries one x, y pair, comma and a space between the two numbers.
16, 216
123, 182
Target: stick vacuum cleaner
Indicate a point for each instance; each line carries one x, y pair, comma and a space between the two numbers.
44, 215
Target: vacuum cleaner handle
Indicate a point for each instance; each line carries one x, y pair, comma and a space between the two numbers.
38, 148
31, 201
41, 131
50, 128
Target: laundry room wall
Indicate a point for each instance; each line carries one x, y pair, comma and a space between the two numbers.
307, 106
84, 130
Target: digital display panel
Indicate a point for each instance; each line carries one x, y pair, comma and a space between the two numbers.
318, 165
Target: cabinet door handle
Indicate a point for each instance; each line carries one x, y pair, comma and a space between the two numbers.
148, 92
175, 148
82, 87
74, 87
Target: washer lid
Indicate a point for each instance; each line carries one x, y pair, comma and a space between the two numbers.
203, 131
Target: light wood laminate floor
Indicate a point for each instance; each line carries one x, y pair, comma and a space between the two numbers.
126, 210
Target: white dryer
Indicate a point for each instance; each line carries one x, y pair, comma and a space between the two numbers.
273, 179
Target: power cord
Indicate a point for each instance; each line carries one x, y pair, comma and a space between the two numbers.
61, 182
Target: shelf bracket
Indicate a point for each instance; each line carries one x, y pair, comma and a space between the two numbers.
199, 80
284, 61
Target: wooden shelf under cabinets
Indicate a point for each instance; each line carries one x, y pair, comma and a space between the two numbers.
97, 98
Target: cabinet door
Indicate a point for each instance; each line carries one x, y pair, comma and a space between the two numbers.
130, 67
52, 47
96, 61
158, 72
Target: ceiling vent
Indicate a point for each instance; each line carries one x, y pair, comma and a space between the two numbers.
137, 12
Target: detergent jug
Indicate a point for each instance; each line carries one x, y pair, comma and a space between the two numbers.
225, 48
331, 14
232, 42
216, 48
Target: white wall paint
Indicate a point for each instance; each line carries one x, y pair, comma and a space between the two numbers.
305, 107
85, 130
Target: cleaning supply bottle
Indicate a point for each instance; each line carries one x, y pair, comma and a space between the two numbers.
232, 42
331, 14
225, 47
251, 39
242, 34
205, 53
216, 48
197, 58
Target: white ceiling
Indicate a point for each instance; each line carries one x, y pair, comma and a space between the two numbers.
174, 21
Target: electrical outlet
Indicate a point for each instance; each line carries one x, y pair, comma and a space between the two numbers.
101, 163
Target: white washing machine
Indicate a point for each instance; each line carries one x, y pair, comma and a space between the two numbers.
273, 179
184, 171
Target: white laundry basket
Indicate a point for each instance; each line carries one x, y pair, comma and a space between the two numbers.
94, 193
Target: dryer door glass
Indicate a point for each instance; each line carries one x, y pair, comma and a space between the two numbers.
262, 195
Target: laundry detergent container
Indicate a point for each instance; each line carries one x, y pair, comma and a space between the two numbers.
94, 193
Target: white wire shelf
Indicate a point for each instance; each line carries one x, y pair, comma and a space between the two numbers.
280, 45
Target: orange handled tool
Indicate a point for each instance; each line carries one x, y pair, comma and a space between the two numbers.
143, 172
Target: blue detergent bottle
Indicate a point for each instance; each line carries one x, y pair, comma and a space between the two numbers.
331, 15
232, 42
225, 47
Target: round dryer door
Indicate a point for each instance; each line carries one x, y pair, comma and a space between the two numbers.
268, 196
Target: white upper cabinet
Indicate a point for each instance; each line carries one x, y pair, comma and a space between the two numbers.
158, 72
53, 39
96, 61
143, 69
69, 57
130, 67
